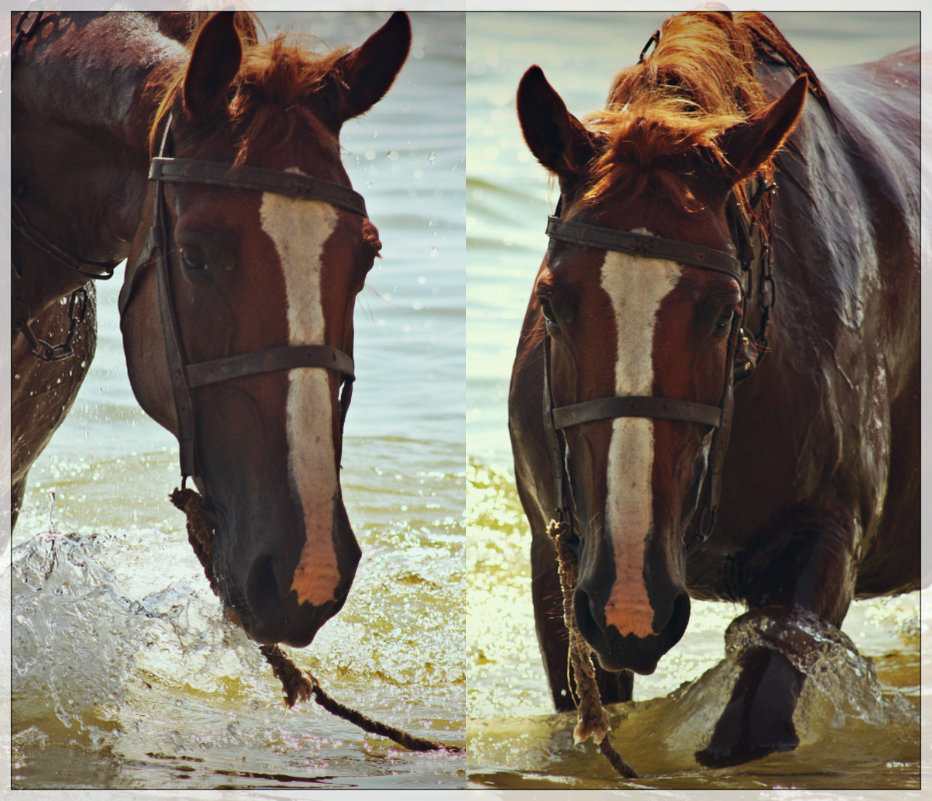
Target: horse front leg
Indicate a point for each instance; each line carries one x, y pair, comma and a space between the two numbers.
807, 572
552, 636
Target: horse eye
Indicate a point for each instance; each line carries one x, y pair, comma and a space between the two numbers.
546, 311
724, 321
193, 259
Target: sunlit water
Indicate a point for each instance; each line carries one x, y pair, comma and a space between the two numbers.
858, 716
124, 673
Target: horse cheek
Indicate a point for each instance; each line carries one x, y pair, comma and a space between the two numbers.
146, 362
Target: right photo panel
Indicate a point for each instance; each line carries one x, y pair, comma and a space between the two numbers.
693, 400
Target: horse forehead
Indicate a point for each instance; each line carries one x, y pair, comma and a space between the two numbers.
310, 147
636, 288
299, 230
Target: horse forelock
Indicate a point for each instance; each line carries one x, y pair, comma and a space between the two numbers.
272, 98
699, 80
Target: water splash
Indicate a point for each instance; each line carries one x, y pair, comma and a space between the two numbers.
843, 713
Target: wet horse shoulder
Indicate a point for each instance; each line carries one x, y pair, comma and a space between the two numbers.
85, 68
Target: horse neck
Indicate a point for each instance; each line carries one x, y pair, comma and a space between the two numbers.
83, 100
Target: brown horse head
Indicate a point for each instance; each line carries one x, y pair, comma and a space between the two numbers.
254, 271
623, 324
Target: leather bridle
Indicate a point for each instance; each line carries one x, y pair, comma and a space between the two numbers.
750, 268
185, 375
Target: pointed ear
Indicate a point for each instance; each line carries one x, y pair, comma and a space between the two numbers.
556, 138
750, 143
214, 64
368, 72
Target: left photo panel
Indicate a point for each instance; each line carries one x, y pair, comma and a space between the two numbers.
225, 228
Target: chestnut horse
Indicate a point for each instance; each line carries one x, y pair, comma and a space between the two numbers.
248, 249
735, 256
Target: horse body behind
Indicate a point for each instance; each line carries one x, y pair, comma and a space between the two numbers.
80, 118
845, 348
820, 481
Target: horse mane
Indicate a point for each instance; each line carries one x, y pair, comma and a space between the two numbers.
699, 80
270, 94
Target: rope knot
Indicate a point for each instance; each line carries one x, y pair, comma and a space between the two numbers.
201, 527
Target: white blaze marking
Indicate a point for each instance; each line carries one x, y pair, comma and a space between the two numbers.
636, 287
299, 229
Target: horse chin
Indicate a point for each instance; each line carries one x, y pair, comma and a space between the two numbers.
614, 661
297, 626
268, 618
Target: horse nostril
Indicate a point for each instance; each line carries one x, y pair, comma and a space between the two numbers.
679, 619
262, 590
585, 620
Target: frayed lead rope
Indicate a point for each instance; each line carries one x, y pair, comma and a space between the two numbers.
297, 685
592, 720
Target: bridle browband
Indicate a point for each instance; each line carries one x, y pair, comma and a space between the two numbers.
258, 179
653, 247
752, 264
186, 376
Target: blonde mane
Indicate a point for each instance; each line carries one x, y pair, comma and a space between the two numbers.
699, 80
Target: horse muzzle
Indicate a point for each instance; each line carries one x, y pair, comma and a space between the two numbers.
630, 651
259, 592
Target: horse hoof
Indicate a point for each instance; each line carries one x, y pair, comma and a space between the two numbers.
720, 754
758, 719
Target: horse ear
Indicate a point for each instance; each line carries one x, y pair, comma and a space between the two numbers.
214, 64
749, 144
557, 139
367, 73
